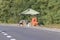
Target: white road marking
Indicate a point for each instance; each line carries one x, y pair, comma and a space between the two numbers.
12, 39
8, 36
5, 34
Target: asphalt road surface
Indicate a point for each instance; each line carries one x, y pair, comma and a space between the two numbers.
20, 33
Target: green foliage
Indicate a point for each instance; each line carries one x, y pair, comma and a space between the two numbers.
49, 10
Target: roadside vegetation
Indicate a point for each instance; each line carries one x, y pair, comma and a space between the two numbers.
10, 11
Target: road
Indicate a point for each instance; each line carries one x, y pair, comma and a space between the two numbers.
20, 33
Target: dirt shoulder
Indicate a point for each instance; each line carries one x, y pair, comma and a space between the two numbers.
46, 27
8, 24
53, 26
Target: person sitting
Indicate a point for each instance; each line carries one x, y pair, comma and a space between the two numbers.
34, 21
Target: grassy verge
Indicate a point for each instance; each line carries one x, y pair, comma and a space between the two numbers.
53, 26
